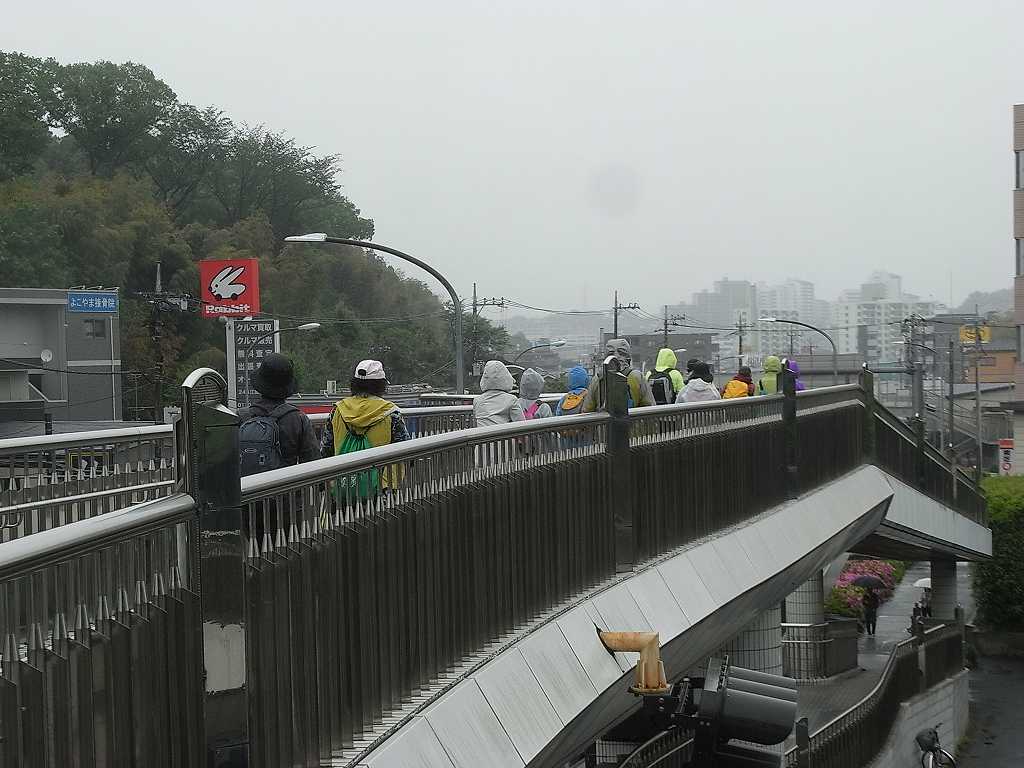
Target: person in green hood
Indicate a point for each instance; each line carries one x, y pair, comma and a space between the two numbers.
365, 412
770, 382
666, 381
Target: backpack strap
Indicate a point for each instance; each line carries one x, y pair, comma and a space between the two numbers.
282, 410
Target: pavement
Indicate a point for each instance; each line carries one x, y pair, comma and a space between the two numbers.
821, 702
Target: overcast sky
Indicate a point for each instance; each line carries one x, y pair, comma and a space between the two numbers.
554, 153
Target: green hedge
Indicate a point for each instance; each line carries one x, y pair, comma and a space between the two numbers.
999, 582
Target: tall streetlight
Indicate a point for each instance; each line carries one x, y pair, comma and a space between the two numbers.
320, 237
248, 349
835, 356
555, 343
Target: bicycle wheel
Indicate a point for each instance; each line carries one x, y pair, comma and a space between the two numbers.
940, 758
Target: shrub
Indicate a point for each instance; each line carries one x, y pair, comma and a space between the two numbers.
844, 599
999, 582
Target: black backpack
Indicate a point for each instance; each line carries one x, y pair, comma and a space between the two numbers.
259, 441
661, 387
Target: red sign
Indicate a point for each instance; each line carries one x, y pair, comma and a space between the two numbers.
230, 287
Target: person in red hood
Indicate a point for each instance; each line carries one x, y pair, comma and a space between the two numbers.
740, 385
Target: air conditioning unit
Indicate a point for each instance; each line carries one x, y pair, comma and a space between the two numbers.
332, 387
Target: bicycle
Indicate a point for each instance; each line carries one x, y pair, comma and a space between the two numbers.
932, 753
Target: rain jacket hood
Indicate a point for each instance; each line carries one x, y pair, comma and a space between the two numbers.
578, 378
496, 376
772, 364
697, 390
622, 351
667, 360
496, 404
531, 384
362, 412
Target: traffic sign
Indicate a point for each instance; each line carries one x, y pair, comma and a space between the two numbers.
230, 287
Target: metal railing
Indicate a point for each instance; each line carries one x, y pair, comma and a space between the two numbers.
339, 596
855, 738
812, 651
46, 482
421, 422
100, 659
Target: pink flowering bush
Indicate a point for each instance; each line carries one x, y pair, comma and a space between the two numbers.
847, 600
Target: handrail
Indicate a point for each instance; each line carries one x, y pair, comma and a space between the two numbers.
21, 556
36, 444
277, 480
645, 411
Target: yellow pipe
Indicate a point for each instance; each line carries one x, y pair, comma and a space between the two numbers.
650, 672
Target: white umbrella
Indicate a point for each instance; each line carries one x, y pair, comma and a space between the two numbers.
923, 583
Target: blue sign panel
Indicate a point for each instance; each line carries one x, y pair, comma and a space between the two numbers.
91, 301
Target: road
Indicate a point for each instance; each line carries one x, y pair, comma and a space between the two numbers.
996, 738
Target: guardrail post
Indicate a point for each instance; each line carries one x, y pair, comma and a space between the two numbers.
803, 744
616, 402
215, 484
790, 434
867, 386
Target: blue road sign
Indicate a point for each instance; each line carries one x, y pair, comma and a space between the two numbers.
91, 301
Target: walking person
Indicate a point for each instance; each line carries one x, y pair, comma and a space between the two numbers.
572, 401
771, 380
364, 420
795, 370
274, 433
701, 386
531, 384
870, 605
665, 380
496, 404
638, 390
740, 385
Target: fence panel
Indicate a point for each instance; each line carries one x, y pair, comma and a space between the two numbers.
46, 482
100, 660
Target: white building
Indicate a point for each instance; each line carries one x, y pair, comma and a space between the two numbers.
869, 320
791, 300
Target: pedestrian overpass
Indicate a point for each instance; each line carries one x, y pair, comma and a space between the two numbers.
435, 602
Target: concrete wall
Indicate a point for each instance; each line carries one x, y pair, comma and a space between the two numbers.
945, 703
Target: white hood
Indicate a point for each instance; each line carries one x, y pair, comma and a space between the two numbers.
698, 390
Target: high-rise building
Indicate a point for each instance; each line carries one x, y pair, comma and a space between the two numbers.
1018, 235
869, 320
791, 300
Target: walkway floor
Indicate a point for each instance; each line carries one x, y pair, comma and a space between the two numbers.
821, 702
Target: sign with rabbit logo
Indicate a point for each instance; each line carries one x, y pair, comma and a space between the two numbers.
230, 287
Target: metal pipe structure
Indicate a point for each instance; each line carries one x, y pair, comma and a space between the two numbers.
835, 354
320, 237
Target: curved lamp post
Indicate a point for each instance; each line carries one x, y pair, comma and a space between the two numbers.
320, 237
835, 360
556, 343
248, 348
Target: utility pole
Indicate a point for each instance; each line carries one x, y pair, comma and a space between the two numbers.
740, 327
631, 305
162, 301
977, 392
952, 425
664, 331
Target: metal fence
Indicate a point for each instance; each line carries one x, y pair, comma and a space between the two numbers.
338, 596
854, 738
50, 481
101, 659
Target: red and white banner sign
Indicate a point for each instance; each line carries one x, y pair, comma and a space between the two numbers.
1006, 456
230, 287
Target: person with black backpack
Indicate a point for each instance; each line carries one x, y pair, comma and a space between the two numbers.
274, 433
666, 381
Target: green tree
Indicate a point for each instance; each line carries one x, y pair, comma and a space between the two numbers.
23, 131
113, 111
999, 582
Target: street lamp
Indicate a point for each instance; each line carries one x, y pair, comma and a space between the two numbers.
248, 349
555, 343
835, 360
320, 237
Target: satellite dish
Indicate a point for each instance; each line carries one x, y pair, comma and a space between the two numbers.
46, 355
